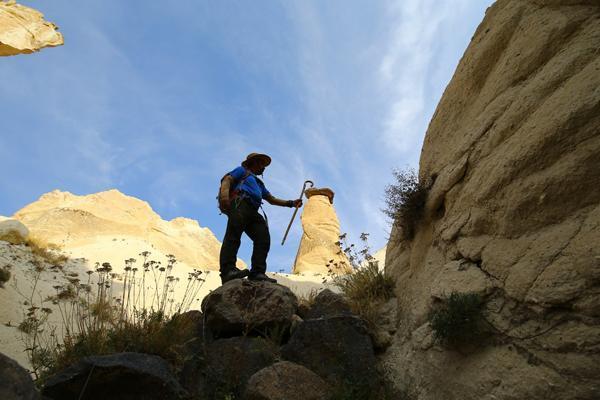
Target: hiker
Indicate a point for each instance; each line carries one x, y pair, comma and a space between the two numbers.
240, 197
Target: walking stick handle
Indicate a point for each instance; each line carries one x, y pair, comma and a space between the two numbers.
296, 210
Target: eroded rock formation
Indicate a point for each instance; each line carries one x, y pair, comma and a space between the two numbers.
513, 150
111, 223
318, 251
23, 30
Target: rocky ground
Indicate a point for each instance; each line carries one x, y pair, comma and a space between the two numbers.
254, 341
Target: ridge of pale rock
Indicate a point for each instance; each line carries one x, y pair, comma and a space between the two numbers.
513, 212
23, 30
77, 222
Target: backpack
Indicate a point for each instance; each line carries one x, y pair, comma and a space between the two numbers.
233, 192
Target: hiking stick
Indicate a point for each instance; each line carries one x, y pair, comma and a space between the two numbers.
296, 210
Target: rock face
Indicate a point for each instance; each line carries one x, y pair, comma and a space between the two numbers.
321, 227
23, 30
337, 348
77, 223
16, 382
242, 306
286, 380
121, 376
513, 151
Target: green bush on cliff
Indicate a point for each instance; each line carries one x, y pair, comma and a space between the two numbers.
459, 320
405, 201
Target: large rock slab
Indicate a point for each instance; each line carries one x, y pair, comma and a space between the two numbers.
121, 376
286, 380
319, 252
513, 213
23, 30
223, 367
338, 349
15, 382
242, 307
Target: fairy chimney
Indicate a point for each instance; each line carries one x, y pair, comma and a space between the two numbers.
319, 250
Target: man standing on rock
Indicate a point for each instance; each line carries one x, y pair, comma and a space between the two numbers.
240, 197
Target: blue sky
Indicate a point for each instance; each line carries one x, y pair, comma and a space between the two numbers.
159, 100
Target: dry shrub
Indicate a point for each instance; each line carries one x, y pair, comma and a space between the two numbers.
95, 321
366, 289
405, 201
48, 252
4, 275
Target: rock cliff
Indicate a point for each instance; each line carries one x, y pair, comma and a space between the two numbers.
513, 151
321, 228
23, 30
112, 220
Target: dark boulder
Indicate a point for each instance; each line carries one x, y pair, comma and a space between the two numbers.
243, 307
222, 367
328, 304
15, 382
338, 349
121, 376
286, 380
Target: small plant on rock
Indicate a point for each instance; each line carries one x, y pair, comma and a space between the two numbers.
4, 275
459, 320
405, 201
367, 287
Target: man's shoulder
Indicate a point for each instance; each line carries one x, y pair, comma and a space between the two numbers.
238, 172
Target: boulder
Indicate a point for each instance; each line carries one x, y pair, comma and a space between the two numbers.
319, 251
16, 382
242, 307
286, 380
224, 366
328, 304
513, 212
338, 349
121, 376
23, 30
12, 231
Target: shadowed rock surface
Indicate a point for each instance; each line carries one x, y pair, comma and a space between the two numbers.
242, 306
225, 365
338, 349
328, 304
513, 212
286, 380
15, 382
122, 376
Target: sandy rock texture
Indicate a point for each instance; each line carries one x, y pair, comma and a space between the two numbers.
321, 232
23, 30
513, 151
79, 224
10, 226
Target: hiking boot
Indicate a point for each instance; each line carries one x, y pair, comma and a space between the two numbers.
259, 276
234, 274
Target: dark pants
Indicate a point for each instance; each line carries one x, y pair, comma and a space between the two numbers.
243, 217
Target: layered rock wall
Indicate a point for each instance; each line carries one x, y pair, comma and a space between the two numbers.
23, 30
513, 214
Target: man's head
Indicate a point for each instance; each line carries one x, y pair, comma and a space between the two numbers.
256, 163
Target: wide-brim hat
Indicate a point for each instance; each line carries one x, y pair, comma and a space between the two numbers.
265, 158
